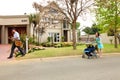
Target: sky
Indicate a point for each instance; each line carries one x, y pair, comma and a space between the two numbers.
19, 7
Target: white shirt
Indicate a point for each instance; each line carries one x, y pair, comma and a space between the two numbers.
16, 36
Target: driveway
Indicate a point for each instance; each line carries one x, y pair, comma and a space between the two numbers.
71, 68
4, 52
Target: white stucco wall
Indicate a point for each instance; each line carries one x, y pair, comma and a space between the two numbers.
104, 37
14, 20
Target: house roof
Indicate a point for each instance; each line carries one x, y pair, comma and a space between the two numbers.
53, 7
14, 16
52, 4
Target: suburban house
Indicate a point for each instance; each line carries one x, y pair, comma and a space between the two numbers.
55, 24
20, 22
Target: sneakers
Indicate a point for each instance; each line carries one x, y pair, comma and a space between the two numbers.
16, 56
9, 57
22, 55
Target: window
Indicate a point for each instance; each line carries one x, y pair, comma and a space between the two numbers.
55, 36
65, 24
53, 10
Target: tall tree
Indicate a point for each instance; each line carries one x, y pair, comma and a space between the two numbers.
92, 30
71, 9
108, 15
87, 30
33, 20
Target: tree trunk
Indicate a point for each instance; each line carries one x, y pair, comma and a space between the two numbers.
88, 38
119, 40
116, 19
115, 37
33, 34
74, 34
118, 36
38, 37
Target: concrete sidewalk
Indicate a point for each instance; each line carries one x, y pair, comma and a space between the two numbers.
4, 52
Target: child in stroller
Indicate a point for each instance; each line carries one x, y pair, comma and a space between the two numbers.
90, 51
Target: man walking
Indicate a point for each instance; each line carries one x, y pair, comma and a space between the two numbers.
16, 36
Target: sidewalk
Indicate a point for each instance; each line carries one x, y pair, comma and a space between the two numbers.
4, 52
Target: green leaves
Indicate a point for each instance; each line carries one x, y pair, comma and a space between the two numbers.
77, 25
107, 13
92, 30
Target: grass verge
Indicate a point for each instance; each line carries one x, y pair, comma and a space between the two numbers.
67, 51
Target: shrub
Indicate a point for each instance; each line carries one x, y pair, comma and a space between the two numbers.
63, 38
57, 45
43, 44
35, 48
66, 44
30, 40
49, 39
47, 44
78, 44
23, 37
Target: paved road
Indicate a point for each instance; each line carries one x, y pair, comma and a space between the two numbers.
76, 68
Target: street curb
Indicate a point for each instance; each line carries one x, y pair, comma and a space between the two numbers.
51, 58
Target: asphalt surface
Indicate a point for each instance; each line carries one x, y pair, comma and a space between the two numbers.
70, 68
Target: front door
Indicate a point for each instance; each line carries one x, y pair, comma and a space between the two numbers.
65, 36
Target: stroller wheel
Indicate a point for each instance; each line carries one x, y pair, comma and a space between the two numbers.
88, 57
83, 56
96, 56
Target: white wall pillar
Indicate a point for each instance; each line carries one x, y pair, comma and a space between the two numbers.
69, 36
27, 44
28, 30
0, 34
3, 35
6, 35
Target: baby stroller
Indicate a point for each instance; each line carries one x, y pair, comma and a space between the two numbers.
89, 51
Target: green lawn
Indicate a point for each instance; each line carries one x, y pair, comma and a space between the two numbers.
67, 51
109, 48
